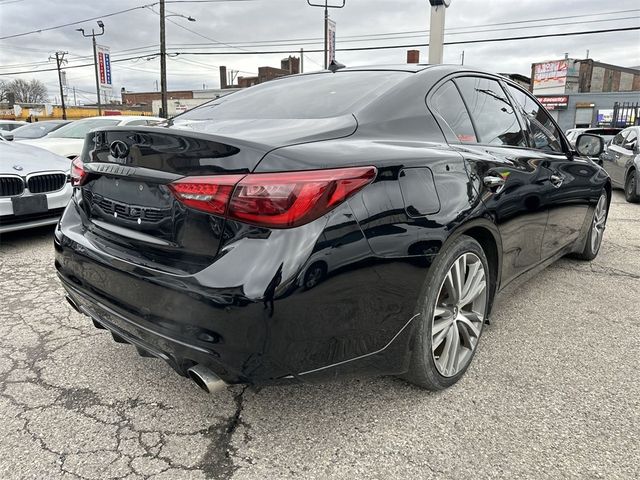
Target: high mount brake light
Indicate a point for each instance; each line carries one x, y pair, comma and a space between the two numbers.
78, 174
278, 200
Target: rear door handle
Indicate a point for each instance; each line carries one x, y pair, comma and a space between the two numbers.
556, 180
494, 183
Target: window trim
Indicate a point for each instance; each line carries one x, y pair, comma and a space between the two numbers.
452, 140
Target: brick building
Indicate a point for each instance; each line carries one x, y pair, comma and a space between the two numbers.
288, 66
147, 98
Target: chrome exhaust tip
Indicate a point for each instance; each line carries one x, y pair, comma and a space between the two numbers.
206, 379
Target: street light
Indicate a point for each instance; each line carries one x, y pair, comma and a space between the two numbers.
326, 7
163, 55
93, 35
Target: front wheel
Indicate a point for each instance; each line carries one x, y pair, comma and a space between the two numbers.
453, 310
631, 188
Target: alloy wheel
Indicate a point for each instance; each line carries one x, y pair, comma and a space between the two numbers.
599, 221
459, 315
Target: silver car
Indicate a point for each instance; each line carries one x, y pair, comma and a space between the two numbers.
621, 160
34, 186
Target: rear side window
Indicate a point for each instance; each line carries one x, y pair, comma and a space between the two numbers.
492, 113
541, 130
618, 140
631, 140
447, 103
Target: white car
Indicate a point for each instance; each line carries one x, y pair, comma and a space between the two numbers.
67, 141
34, 186
7, 126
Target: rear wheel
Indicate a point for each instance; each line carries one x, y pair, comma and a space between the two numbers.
453, 309
596, 232
631, 188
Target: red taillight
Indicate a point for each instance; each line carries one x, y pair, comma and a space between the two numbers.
278, 200
209, 194
78, 173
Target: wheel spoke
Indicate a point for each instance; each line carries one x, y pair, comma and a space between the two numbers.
453, 342
476, 285
441, 335
469, 324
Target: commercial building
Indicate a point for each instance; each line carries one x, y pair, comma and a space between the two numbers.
288, 66
587, 93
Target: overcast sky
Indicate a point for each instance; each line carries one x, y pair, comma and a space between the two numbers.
295, 23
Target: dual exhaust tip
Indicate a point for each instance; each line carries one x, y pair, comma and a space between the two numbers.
201, 375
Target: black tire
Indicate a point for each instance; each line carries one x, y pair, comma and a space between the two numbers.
315, 274
631, 187
423, 370
590, 251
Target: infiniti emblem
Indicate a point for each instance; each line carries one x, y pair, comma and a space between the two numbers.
17, 167
119, 149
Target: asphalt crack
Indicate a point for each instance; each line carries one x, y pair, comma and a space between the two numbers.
219, 458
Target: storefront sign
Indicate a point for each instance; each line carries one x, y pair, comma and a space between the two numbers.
555, 102
550, 74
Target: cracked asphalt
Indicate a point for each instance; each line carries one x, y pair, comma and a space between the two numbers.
553, 392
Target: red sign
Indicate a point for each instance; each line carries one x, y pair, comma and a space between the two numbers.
557, 102
103, 77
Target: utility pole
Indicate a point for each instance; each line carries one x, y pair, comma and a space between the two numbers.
436, 30
302, 60
163, 55
59, 60
326, 7
163, 62
93, 35
75, 100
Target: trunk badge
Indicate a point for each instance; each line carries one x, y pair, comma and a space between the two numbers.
119, 149
140, 187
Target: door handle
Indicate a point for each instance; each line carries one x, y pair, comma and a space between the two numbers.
556, 180
494, 183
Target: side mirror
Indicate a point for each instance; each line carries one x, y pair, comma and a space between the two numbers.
588, 145
7, 136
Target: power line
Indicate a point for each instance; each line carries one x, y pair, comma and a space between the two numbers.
459, 42
119, 12
352, 49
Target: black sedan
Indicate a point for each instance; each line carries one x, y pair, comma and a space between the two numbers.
352, 222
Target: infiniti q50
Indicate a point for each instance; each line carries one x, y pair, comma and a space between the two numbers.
353, 222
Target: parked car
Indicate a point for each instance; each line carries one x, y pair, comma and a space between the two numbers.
67, 141
6, 126
37, 129
621, 160
34, 186
193, 242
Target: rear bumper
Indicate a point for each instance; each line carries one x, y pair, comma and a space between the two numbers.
248, 317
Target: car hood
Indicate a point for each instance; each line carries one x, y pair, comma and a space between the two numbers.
274, 133
19, 159
66, 147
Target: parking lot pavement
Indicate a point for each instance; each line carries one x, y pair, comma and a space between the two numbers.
552, 393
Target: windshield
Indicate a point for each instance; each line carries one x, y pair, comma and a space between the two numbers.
308, 96
80, 128
9, 126
35, 130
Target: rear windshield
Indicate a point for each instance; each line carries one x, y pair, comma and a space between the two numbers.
35, 130
80, 128
308, 96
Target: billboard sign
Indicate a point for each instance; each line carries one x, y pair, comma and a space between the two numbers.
554, 102
550, 74
104, 66
331, 42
